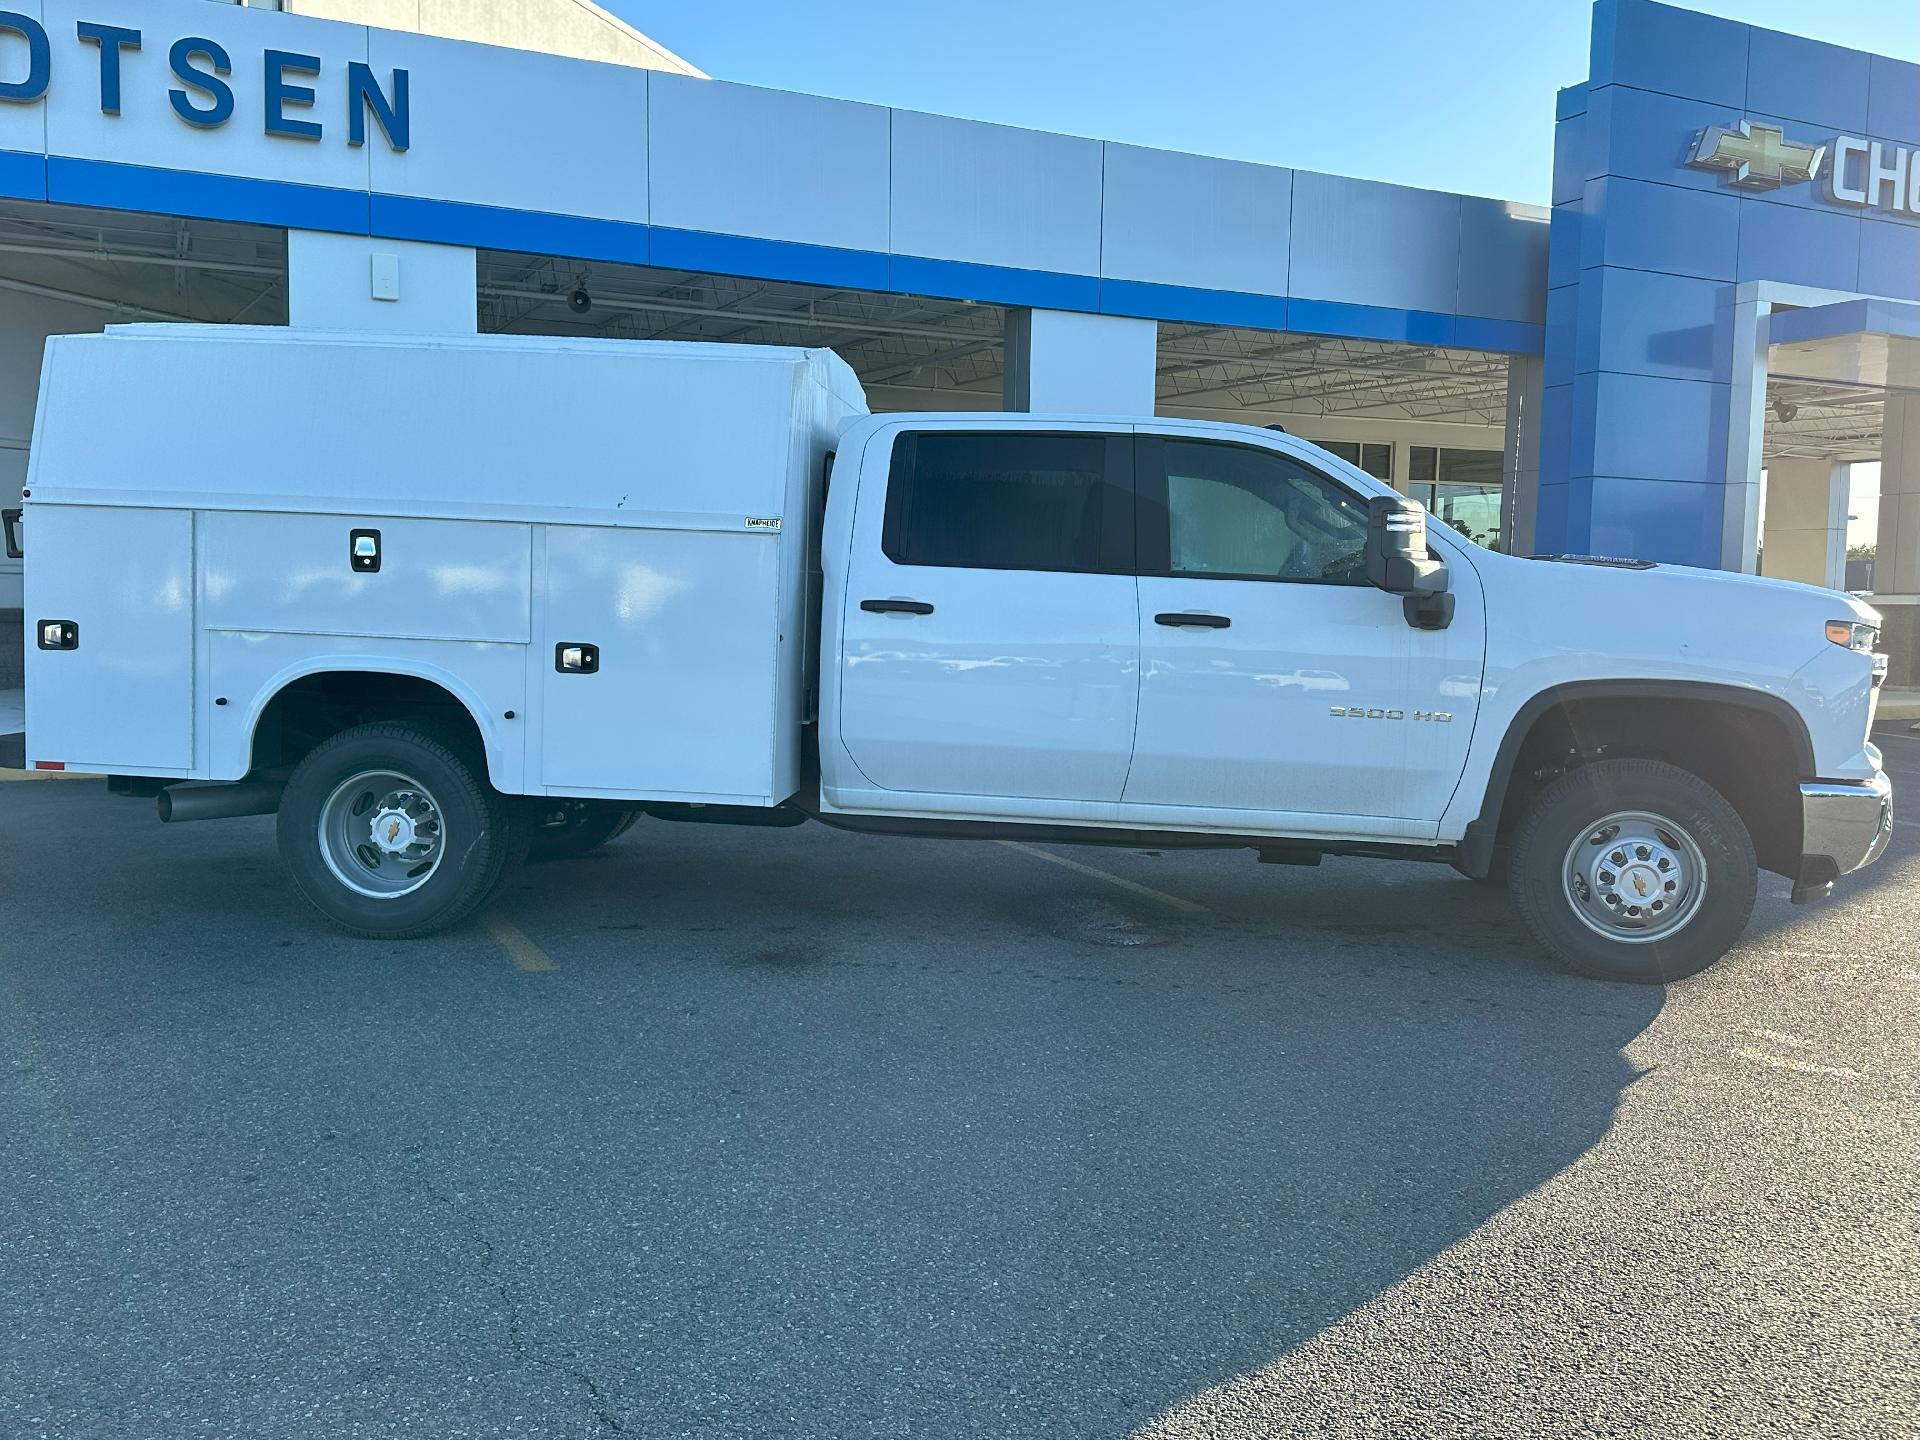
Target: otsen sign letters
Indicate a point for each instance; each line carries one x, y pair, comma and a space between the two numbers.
203, 97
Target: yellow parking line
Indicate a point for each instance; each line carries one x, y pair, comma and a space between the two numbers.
6, 775
524, 953
1172, 901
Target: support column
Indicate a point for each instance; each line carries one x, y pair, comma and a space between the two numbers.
1896, 557
1740, 324
1520, 479
351, 282
1896, 561
1063, 361
1806, 529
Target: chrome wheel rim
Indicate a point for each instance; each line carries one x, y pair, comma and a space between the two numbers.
381, 834
1635, 877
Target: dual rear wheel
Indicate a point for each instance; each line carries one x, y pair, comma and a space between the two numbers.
391, 832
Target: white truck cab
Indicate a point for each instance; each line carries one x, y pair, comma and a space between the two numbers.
442, 602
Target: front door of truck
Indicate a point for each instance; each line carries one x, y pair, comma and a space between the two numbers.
988, 633
1274, 679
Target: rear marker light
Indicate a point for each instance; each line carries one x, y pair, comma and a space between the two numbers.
49, 764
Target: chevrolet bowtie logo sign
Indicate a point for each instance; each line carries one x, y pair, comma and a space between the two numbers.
1756, 157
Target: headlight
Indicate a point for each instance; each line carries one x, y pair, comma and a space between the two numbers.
1854, 634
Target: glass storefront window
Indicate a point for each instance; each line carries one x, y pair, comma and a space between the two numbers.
1375, 459
1461, 487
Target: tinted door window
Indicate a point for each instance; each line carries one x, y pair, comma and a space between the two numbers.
1235, 512
999, 500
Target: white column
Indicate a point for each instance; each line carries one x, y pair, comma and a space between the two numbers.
1521, 475
1806, 529
1742, 327
1062, 361
351, 282
1896, 561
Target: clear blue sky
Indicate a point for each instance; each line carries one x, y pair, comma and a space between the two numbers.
1449, 94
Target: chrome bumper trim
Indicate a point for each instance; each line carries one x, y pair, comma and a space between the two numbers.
1846, 824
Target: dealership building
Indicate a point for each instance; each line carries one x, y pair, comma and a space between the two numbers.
1685, 357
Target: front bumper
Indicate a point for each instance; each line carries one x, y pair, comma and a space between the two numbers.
1843, 827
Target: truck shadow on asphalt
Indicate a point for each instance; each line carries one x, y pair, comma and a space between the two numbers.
846, 1137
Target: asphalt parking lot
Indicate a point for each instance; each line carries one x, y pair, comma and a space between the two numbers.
731, 1133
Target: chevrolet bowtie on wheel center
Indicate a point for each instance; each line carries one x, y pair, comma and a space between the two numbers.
472, 627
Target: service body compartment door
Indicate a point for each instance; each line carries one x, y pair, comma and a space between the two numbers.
989, 644
420, 579
679, 638
121, 700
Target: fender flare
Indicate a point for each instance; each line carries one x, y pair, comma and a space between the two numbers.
1474, 854
347, 664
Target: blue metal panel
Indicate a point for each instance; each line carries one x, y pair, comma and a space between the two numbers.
1514, 337
1645, 136
1799, 246
22, 176
1002, 285
1890, 259
1182, 302
1503, 261
1563, 334
1570, 159
213, 197
1643, 426
1645, 323
1806, 80
1675, 522
1371, 322
768, 259
447, 222
1846, 317
1569, 102
1566, 232
1678, 52
1364, 243
1550, 521
1556, 434
1659, 227
1893, 99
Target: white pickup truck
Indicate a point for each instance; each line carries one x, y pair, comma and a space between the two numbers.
438, 602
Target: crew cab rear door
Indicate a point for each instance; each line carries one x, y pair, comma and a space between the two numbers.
988, 633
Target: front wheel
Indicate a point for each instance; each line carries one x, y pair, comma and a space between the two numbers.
390, 834
1633, 870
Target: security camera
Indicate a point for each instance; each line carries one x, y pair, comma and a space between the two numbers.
580, 302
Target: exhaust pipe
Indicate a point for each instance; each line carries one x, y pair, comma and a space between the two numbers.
219, 801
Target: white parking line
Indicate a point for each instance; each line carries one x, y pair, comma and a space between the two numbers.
1174, 901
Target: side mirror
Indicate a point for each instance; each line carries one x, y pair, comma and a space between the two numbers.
1400, 563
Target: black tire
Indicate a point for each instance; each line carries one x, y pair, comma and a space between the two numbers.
470, 826
568, 829
1547, 875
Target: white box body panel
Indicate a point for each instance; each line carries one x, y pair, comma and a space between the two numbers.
652, 500
125, 697
439, 579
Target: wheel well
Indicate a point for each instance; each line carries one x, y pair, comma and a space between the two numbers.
315, 708
1746, 753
